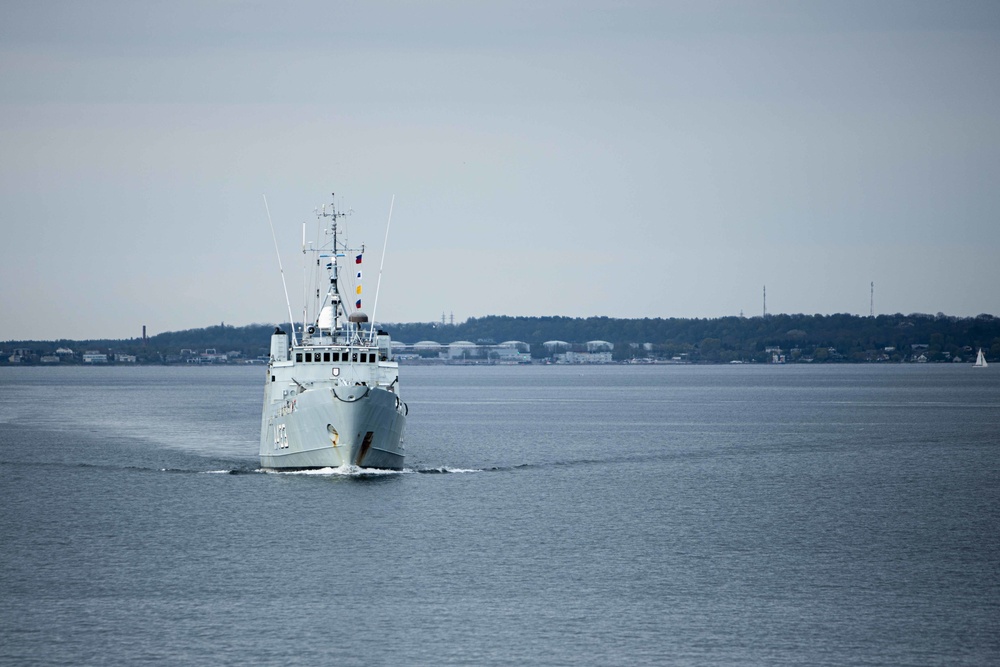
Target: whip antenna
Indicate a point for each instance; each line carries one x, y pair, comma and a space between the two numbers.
291, 322
378, 285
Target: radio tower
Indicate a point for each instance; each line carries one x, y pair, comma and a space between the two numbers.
872, 311
765, 300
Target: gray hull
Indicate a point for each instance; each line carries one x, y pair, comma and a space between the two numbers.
330, 427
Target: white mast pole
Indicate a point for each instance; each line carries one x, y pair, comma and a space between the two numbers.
288, 304
305, 282
378, 285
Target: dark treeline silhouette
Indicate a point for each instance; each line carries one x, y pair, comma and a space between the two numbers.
819, 338
250, 341
839, 337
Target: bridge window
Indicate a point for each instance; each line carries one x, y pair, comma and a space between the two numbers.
326, 356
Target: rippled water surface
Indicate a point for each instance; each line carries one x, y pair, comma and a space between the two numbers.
713, 515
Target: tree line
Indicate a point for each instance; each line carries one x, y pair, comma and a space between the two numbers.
818, 338
824, 338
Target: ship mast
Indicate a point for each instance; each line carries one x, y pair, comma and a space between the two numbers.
329, 313
333, 294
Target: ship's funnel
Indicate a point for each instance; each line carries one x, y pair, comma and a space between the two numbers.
279, 345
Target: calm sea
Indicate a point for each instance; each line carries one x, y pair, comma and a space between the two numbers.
716, 515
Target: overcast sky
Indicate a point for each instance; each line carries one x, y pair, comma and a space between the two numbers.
628, 159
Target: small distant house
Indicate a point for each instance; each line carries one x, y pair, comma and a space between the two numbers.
94, 357
19, 355
571, 357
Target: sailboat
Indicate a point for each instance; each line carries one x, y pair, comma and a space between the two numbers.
331, 398
980, 360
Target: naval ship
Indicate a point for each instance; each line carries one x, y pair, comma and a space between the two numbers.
331, 398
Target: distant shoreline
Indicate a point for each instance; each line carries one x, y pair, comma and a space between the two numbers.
838, 338
459, 364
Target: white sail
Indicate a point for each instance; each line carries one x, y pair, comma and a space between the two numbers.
981, 360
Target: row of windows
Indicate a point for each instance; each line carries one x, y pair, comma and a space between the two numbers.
363, 357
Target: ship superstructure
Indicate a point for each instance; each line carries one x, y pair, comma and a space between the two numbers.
332, 398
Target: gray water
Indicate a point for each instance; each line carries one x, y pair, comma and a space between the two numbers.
716, 515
